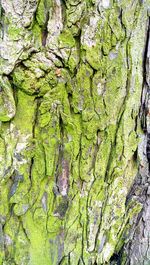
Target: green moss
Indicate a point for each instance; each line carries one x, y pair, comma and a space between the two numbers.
81, 95
39, 252
106, 39
66, 39
37, 34
93, 57
24, 80
26, 106
41, 13
73, 60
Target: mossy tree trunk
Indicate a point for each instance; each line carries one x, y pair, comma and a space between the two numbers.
74, 132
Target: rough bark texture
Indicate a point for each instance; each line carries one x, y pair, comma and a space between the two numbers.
74, 132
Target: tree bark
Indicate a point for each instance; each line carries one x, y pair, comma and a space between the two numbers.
74, 132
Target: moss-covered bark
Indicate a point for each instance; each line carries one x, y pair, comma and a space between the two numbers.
74, 132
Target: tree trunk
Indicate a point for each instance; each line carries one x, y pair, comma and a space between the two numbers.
74, 132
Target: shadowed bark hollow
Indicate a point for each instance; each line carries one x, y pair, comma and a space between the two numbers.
74, 132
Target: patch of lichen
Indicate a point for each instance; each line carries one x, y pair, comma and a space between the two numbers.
7, 102
14, 32
37, 77
68, 49
29, 83
133, 209
130, 15
23, 149
75, 15
108, 34
41, 20
109, 85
